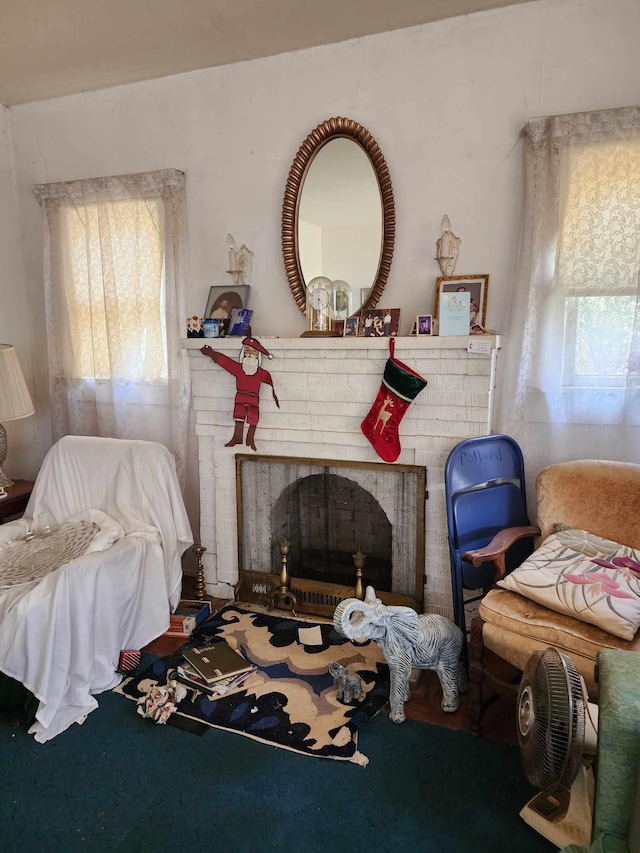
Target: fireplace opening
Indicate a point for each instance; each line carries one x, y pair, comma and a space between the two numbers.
328, 511
327, 518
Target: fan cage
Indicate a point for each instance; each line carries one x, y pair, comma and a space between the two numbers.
551, 720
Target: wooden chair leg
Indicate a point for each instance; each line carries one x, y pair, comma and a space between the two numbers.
476, 668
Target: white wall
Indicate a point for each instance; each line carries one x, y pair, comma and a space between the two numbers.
445, 102
15, 327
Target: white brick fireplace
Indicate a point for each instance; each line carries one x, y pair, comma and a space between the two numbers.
325, 387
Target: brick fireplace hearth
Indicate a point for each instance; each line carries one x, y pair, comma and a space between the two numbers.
325, 388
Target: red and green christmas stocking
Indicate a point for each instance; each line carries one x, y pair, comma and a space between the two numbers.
400, 386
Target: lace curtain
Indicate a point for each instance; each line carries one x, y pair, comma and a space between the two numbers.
571, 363
114, 270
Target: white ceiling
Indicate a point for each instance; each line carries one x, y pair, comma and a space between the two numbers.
60, 47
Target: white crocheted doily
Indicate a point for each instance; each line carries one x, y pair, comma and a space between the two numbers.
31, 559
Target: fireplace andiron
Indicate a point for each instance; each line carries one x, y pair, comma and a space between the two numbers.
201, 588
282, 593
359, 560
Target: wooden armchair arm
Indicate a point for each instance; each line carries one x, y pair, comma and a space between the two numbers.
495, 551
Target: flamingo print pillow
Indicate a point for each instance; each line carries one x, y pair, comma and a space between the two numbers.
581, 575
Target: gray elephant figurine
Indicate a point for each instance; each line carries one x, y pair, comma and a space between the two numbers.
349, 686
428, 641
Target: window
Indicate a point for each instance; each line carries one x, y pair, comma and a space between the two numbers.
598, 258
114, 289
114, 294
598, 333
571, 362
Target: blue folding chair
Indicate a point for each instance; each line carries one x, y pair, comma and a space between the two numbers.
485, 492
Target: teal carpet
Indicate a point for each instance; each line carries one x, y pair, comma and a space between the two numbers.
121, 783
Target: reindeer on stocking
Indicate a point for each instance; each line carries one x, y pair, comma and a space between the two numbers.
400, 386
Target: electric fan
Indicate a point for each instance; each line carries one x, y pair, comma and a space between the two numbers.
557, 733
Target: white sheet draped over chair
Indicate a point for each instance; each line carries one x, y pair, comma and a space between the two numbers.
61, 636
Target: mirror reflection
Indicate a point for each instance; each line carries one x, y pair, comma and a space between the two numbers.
340, 225
338, 202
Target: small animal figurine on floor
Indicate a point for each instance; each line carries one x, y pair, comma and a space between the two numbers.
428, 641
349, 686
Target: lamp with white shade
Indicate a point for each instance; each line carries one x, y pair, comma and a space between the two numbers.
15, 401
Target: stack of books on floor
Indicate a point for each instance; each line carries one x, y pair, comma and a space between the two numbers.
187, 616
214, 668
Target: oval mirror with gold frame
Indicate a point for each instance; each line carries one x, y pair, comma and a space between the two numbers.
333, 129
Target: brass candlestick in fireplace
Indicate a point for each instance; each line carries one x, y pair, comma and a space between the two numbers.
282, 593
359, 559
201, 588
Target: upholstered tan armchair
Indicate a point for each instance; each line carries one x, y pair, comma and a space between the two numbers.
596, 601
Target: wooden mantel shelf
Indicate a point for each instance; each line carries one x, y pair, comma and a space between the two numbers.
353, 344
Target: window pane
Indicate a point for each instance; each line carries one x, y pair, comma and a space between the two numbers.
604, 326
114, 293
599, 245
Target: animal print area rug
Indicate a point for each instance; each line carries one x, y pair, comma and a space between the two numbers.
291, 700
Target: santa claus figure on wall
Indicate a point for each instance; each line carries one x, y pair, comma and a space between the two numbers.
249, 377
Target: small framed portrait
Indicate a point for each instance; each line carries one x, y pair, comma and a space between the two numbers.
350, 327
424, 325
223, 301
240, 320
475, 285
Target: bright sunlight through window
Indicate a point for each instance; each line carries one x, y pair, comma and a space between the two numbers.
598, 261
114, 299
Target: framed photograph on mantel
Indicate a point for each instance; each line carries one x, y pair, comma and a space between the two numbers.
240, 320
350, 329
423, 324
224, 300
475, 285
379, 323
